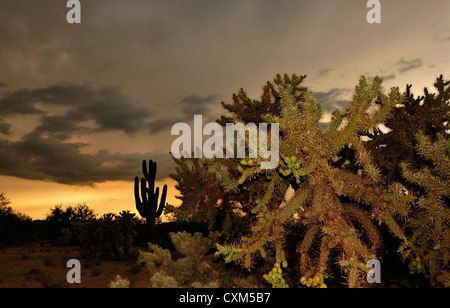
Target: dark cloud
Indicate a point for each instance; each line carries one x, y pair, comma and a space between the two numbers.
388, 77
60, 127
332, 99
111, 110
20, 102
5, 128
49, 159
196, 104
163, 124
190, 105
3, 85
324, 71
65, 110
108, 108
404, 65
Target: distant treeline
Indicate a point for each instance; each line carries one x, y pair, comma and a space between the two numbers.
109, 236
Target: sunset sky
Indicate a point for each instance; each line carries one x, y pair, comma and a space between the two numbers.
81, 105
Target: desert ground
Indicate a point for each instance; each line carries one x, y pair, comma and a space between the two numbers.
44, 266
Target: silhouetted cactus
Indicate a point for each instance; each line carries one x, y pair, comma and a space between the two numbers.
147, 199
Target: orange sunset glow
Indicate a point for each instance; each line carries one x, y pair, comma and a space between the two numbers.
104, 198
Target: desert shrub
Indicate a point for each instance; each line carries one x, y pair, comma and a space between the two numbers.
162, 280
190, 265
119, 282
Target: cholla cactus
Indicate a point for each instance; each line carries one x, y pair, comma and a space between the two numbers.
428, 246
338, 209
194, 266
206, 193
185, 270
429, 114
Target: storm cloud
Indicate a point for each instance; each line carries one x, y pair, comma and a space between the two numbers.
5, 128
37, 158
196, 104
189, 106
46, 153
332, 99
324, 71
106, 107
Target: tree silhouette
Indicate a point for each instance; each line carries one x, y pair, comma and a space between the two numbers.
14, 226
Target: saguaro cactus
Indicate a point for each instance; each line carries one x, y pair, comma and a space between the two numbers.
147, 199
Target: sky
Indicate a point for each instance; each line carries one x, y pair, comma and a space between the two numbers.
81, 105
